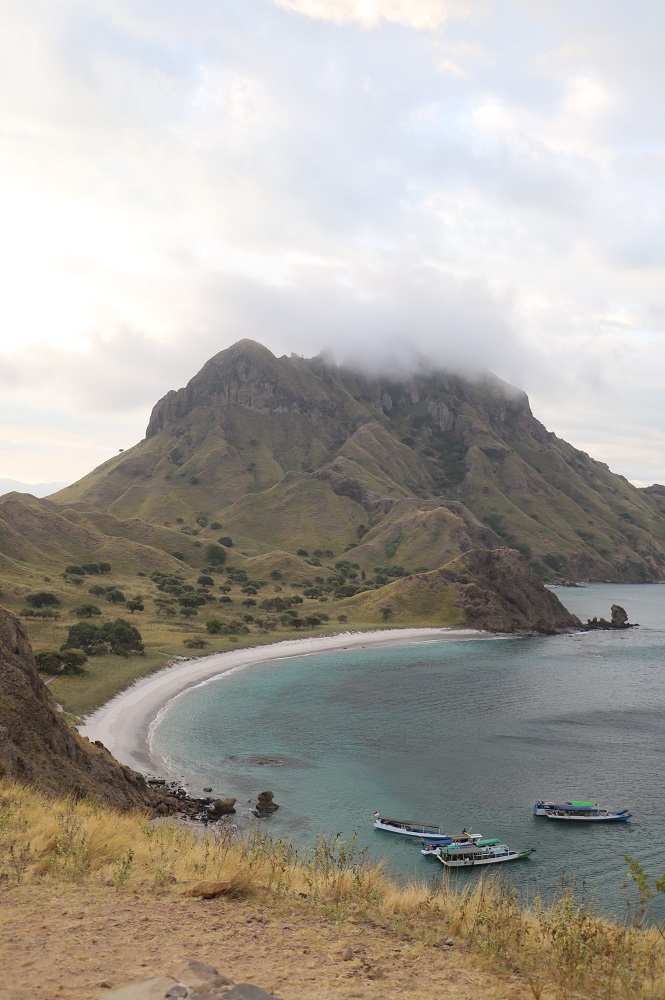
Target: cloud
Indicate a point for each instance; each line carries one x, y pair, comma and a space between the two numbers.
420, 14
477, 183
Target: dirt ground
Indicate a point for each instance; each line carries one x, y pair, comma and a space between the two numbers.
64, 941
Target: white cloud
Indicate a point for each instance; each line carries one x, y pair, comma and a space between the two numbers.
480, 181
421, 14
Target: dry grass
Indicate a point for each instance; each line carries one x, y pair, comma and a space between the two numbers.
550, 950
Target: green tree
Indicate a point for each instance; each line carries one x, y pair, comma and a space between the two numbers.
86, 611
116, 596
42, 599
214, 626
214, 554
122, 637
136, 604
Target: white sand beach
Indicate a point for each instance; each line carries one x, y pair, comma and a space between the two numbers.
123, 723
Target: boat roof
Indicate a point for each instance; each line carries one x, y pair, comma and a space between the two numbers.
410, 822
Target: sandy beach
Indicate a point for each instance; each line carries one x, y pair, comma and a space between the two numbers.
123, 723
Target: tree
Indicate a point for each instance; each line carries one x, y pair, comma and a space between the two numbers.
51, 661
42, 599
83, 635
214, 626
226, 541
214, 554
116, 596
206, 581
86, 611
135, 605
386, 612
119, 636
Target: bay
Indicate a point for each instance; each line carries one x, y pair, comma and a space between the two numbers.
468, 733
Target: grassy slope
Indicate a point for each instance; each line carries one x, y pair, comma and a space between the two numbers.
90, 895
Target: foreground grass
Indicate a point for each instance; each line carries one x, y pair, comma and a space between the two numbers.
430, 936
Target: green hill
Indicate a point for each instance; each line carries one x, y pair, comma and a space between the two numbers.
292, 453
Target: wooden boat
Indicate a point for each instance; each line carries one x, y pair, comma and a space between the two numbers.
470, 855
432, 849
580, 810
416, 828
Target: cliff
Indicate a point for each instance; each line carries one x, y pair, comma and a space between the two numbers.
487, 589
37, 747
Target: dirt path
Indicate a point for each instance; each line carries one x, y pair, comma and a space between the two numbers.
64, 941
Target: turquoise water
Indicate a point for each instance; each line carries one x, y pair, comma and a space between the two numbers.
468, 733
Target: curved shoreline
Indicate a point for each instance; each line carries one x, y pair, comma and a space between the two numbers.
123, 723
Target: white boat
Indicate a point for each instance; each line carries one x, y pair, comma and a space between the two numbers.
470, 855
589, 812
432, 849
416, 828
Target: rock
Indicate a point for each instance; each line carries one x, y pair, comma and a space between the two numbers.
149, 989
619, 616
619, 620
198, 976
207, 789
208, 889
177, 991
265, 804
222, 807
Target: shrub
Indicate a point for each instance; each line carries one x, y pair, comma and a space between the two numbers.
115, 596
226, 541
206, 581
75, 570
214, 626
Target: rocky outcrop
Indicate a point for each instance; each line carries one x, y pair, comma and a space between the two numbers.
619, 620
265, 805
497, 591
37, 746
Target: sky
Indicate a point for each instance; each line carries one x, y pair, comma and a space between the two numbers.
481, 182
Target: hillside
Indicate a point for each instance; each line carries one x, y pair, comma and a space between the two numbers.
273, 497
38, 748
290, 453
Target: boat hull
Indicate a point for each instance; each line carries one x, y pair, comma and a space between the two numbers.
474, 862
586, 812
610, 818
412, 830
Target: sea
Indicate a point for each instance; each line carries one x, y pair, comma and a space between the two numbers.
466, 733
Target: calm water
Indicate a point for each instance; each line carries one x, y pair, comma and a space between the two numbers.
468, 733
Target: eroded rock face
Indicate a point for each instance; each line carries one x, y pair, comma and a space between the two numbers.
38, 747
499, 592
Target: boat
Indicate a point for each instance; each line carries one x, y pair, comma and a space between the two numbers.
432, 849
580, 810
470, 855
416, 828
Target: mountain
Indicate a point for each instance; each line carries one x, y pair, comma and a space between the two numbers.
300, 454
35, 489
